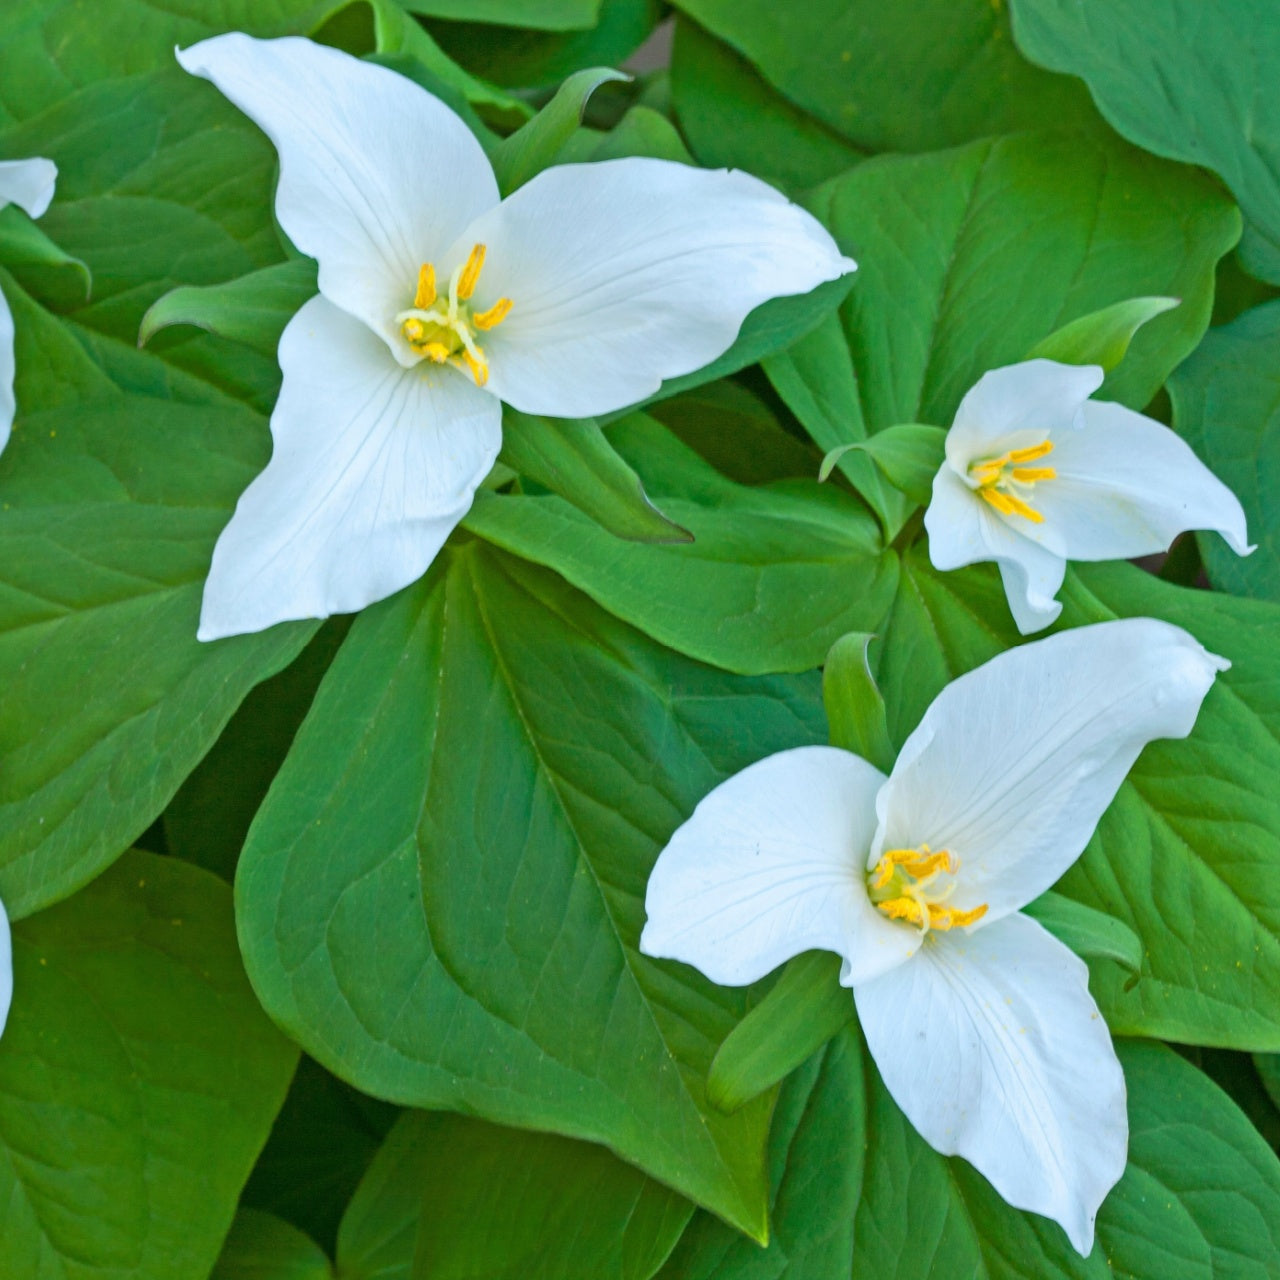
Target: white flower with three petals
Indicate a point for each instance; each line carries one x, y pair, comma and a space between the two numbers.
28, 184
1037, 473
980, 1021
576, 295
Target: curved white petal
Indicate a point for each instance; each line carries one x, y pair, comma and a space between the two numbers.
372, 466
964, 530
28, 184
376, 175
626, 272
995, 1051
1034, 398
8, 405
770, 865
1127, 486
1014, 763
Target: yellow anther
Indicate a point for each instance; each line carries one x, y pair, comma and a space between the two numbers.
899, 886
492, 318
1029, 475
471, 273
479, 368
425, 295
436, 352
1041, 450
414, 330
1010, 505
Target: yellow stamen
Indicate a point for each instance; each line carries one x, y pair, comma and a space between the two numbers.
479, 368
414, 330
492, 318
471, 273
436, 352
899, 886
1029, 475
1041, 450
426, 292
1010, 505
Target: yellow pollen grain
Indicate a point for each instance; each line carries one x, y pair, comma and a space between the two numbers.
425, 295
492, 318
471, 272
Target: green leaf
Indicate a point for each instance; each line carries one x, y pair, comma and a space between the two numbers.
1089, 933
855, 707
803, 1010
262, 1247
714, 89
908, 455
573, 458
1185, 855
486, 776
1182, 78
253, 309
1102, 337
138, 1079
110, 515
321, 1145
540, 15
642, 131
774, 576
1036, 230
23, 244
537, 143
911, 76
1226, 403
858, 1192
518, 57
510, 1205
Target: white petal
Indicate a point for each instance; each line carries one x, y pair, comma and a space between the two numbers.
964, 530
1127, 486
1034, 398
1014, 763
372, 466
376, 175
772, 864
28, 184
627, 272
995, 1051
8, 405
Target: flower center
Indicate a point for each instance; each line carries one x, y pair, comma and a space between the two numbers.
900, 886
443, 329
1004, 482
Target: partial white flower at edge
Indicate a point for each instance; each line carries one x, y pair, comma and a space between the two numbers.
980, 1022
576, 295
1037, 474
28, 184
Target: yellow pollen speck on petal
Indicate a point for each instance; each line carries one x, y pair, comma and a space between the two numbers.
425, 295
471, 272
492, 318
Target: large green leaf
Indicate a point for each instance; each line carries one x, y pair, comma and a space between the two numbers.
1189, 79
1186, 856
138, 1079
773, 577
507, 1204
263, 1247
1006, 242
713, 89
544, 15
858, 1193
113, 494
1226, 402
442, 895
910, 76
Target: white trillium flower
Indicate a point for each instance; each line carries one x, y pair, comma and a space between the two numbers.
980, 1021
28, 184
576, 295
1037, 474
